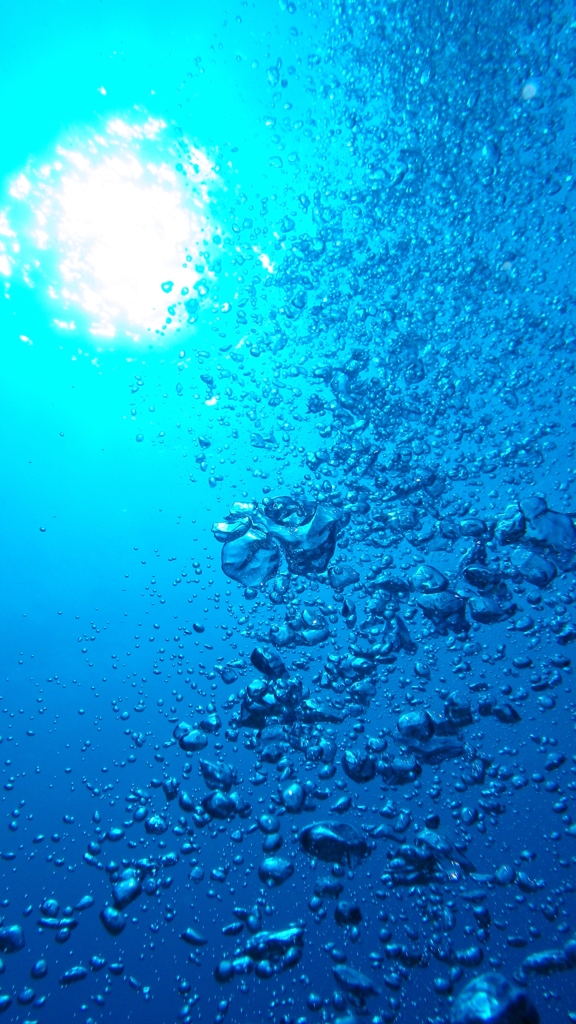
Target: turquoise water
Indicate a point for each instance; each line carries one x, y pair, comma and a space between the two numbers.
288, 513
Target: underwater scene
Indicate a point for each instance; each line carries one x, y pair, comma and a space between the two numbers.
288, 512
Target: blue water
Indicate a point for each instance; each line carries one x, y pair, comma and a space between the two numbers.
287, 512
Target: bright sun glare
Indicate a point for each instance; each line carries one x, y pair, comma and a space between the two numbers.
110, 225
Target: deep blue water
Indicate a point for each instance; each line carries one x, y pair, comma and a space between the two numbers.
288, 512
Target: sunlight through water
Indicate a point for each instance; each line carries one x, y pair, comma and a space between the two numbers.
110, 225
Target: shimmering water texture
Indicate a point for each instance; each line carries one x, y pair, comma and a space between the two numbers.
288, 513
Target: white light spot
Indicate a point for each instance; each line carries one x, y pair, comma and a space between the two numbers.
109, 221
529, 91
20, 187
5, 228
266, 262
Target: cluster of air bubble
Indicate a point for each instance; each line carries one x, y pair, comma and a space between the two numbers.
356, 795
